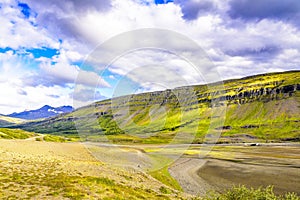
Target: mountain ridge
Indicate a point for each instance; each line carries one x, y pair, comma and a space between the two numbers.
43, 112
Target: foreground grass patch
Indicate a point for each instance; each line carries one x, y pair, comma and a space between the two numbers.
160, 172
244, 193
54, 138
164, 176
50, 170
63, 185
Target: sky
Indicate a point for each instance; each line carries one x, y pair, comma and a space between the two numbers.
50, 50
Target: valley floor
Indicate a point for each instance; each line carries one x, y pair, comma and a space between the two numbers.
48, 170
251, 166
203, 168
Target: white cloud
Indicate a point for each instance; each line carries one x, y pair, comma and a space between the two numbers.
213, 31
157, 66
16, 31
63, 73
17, 97
237, 47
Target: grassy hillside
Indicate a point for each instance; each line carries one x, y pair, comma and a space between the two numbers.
15, 134
257, 108
6, 133
6, 121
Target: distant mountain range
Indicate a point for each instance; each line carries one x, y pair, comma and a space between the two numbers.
43, 112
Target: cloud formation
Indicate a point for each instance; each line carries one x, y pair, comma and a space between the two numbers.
18, 31
192, 9
241, 37
61, 17
256, 9
87, 95
63, 74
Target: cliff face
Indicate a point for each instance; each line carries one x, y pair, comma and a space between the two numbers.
265, 94
264, 106
198, 95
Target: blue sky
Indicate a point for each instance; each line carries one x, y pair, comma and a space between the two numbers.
45, 45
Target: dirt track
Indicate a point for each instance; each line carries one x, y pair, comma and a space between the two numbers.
120, 155
185, 170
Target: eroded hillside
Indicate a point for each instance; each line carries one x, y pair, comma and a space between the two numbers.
263, 107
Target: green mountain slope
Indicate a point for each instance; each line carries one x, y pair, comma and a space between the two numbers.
262, 107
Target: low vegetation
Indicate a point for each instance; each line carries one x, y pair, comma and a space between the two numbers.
54, 138
40, 170
6, 121
244, 193
55, 170
6, 133
164, 176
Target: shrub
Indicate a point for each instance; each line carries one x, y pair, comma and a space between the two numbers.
244, 193
54, 138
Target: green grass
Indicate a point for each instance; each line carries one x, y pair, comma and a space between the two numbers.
60, 184
54, 138
244, 193
160, 171
164, 176
6, 133
5, 121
